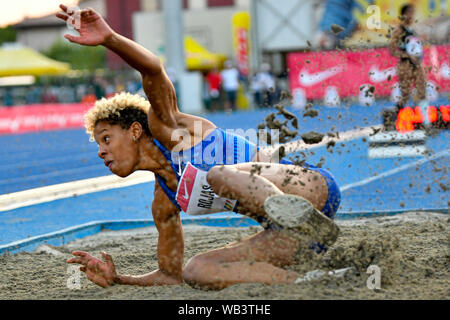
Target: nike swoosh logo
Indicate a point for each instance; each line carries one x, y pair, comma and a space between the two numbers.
307, 79
376, 75
186, 195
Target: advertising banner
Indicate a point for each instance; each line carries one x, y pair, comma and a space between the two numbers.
241, 41
313, 74
375, 17
389, 10
41, 117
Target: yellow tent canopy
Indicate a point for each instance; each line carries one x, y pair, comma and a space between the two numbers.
199, 58
25, 61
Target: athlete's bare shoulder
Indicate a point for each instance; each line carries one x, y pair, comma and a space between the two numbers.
185, 125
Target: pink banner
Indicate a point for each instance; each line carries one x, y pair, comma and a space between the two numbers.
346, 71
41, 117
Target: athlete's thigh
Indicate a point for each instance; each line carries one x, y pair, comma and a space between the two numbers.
291, 179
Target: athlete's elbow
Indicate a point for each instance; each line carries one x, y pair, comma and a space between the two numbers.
151, 68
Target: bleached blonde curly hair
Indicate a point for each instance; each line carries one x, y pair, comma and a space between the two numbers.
123, 109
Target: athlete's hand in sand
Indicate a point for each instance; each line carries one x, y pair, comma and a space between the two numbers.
92, 28
100, 272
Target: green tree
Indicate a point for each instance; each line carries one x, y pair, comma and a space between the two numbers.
79, 57
7, 34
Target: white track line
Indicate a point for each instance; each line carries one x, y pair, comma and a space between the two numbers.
395, 152
394, 171
299, 145
70, 189
398, 137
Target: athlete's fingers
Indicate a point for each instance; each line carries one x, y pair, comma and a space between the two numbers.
63, 7
72, 38
83, 269
107, 257
81, 254
62, 16
84, 255
82, 261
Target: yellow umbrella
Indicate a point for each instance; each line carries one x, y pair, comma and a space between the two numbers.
25, 61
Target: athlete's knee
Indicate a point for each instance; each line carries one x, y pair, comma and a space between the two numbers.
191, 271
216, 175
196, 271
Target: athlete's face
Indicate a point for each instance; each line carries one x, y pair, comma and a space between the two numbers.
117, 148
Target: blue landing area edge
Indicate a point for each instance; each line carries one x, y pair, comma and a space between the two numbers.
67, 235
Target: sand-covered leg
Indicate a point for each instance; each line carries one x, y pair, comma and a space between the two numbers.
299, 215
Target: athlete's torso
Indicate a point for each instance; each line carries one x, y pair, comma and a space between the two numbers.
217, 148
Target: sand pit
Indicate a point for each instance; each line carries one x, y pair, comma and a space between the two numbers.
412, 251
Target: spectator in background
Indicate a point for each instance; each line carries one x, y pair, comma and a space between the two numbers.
48, 96
255, 88
99, 87
109, 90
90, 96
205, 93
119, 86
34, 95
7, 98
214, 81
263, 87
230, 85
66, 94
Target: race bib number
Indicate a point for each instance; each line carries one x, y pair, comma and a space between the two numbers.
196, 197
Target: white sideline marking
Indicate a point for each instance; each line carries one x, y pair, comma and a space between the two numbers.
66, 190
299, 145
395, 152
392, 136
394, 171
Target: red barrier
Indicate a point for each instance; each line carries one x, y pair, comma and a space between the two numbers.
408, 117
313, 72
445, 111
41, 117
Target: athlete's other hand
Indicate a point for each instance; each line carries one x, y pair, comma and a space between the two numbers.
92, 28
100, 272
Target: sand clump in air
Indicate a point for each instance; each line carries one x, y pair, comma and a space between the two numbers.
411, 250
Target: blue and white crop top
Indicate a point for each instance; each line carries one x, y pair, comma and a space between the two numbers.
219, 147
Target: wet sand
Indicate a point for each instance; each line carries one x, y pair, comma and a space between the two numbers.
412, 251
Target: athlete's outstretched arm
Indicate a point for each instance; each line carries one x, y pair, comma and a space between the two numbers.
170, 252
170, 245
94, 31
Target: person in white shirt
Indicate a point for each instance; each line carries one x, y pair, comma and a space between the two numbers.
263, 87
230, 84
